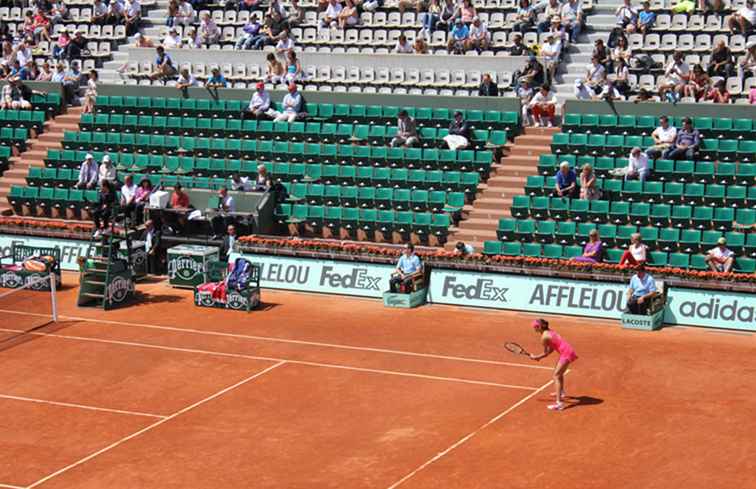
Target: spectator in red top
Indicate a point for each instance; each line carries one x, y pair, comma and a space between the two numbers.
179, 199
719, 94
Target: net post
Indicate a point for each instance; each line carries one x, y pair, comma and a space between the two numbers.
53, 289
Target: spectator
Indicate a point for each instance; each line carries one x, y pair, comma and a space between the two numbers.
27, 28
646, 19
458, 38
593, 250
743, 20
179, 198
163, 67
91, 93
403, 46
274, 69
61, 44
566, 182
331, 14
208, 31
637, 165
480, 38
293, 67
518, 48
24, 53
431, 18
185, 14
172, 40
557, 30
173, 7
721, 61
128, 193
12, 97
747, 67
720, 258
348, 15
59, 12
698, 84
27, 72
488, 87
276, 9
142, 198
463, 249
601, 53
712, 6
686, 143
525, 94
610, 92
216, 80
572, 18
664, 137
292, 105
249, 5
284, 45
642, 290
251, 32
752, 96
406, 134
593, 82
41, 27
103, 209
262, 182
225, 218
448, 12
260, 103
271, 31
45, 73
626, 16
142, 41
152, 237
107, 171
622, 77
132, 14
71, 81
620, 52
76, 46
227, 243
551, 51
525, 17
551, 11
533, 73
684, 7
676, 75
296, 14
588, 190
88, 173
115, 13
407, 269
466, 12
636, 253
186, 80
543, 107
459, 132
240, 183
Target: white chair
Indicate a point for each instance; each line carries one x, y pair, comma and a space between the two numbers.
427, 78
703, 43
443, 79
663, 22
737, 43
397, 76
351, 37
366, 38
652, 42
696, 23
380, 19
339, 74
394, 19
679, 23
685, 42
413, 77
366, 18
647, 82
734, 86
367, 76
713, 23
353, 75
355, 89
668, 42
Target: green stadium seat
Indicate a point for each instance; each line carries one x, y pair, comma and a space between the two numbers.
715, 194
619, 212
553, 251
583, 229
736, 241
608, 234
652, 192
525, 229
745, 217
545, 231
690, 241
520, 208
613, 255
599, 211
506, 229
492, 248
668, 239
723, 218
679, 260
744, 265
725, 173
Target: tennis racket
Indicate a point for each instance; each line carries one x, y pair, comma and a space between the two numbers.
516, 349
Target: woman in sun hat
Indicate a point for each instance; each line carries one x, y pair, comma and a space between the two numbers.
552, 341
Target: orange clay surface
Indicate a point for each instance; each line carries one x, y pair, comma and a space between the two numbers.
326, 392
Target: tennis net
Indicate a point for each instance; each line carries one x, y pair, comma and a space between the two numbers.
27, 308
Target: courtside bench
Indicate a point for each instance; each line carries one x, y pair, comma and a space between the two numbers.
244, 299
16, 272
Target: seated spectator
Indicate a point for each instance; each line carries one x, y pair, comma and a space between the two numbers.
626, 16
448, 14
408, 268
41, 27
90, 95
743, 20
558, 31
543, 107
115, 13
179, 198
172, 40
59, 12
132, 14
551, 11
284, 45
249, 5
185, 14
572, 18
721, 61
420, 46
107, 171
566, 182
593, 251
276, 9
71, 82
251, 32
533, 73
463, 249
518, 48
752, 96
588, 190
747, 67
293, 67
225, 218
76, 46
611, 92
142, 198
99, 12
216, 80
601, 53
403, 46
636, 253
719, 94
142, 41
551, 52
458, 38
348, 15
637, 165
459, 132
684, 7
61, 44
406, 131
479, 38
620, 52
45, 73
686, 143
186, 80
488, 87
296, 14
262, 182
642, 289
525, 94
292, 105
431, 17
331, 17
163, 66
676, 75
12, 96
646, 19
208, 32
260, 103
274, 70
664, 137
240, 183
593, 83
128, 193
622, 78
720, 258
525, 17
170, 19
103, 209
712, 6
698, 84
88, 173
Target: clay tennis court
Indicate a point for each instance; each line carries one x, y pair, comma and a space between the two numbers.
315, 391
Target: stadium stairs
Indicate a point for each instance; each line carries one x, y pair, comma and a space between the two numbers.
36, 153
507, 180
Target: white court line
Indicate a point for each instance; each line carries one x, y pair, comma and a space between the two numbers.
274, 359
154, 425
290, 341
470, 435
79, 406
8, 486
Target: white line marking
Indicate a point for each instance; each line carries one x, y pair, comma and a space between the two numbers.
470, 435
291, 341
79, 406
8, 486
274, 359
154, 425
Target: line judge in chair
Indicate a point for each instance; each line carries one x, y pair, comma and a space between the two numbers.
409, 269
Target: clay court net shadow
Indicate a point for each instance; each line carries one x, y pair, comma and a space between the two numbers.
580, 401
13, 339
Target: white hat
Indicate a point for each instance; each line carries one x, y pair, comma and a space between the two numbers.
750, 44
564, 164
106, 159
138, 35
88, 156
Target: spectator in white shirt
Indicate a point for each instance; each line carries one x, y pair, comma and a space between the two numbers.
720, 258
285, 44
636, 253
403, 46
348, 15
172, 40
572, 18
208, 32
676, 75
593, 82
132, 12
626, 15
23, 53
240, 183
744, 20
186, 80
292, 105
331, 14
543, 107
99, 12
664, 138
551, 51
128, 192
185, 15
479, 38
260, 103
525, 94
637, 165
107, 170
88, 173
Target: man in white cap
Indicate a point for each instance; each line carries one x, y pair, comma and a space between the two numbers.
88, 173
107, 170
720, 258
637, 165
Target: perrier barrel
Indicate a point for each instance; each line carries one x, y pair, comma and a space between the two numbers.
187, 264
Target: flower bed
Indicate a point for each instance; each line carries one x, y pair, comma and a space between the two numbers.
45, 224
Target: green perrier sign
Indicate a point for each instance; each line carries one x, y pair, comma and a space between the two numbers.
187, 264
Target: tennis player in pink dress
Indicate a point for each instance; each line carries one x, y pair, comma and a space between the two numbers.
553, 342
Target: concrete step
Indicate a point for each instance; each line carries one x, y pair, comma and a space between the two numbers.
494, 203
529, 150
479, 224
489, 214
516, 170
13, 180
541, 131
533, 140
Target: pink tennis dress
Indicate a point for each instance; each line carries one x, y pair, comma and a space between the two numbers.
566, 352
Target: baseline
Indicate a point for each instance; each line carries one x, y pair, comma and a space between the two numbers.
80, 406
